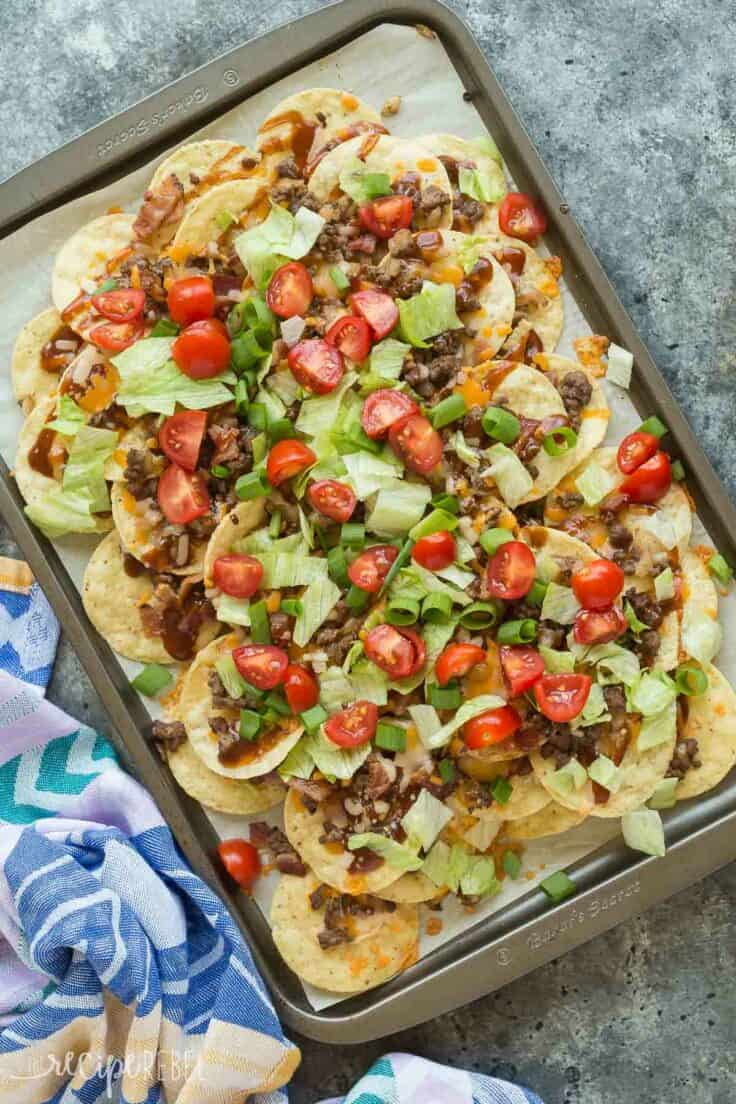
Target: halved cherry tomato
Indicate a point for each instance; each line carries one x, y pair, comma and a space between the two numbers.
635, 450
371, 567
384, 216
457, 660
353, 726
241, 860
290, 290
123, 305
520, 217
316, 365
191, 300
435, 551
180, 437
598, 584
286, 459
181, 495
116, 336
237, 574
417, 442
650, 481
202, 350
262, 665
351, 335
300, 687
562, 697
332, 499
398, 652
385, 408
522, 667
491, 727
599, 626
510, 571
378, 309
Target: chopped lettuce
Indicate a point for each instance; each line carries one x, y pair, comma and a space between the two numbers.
365, 681
665, 794
60, 512
465, 713
284, 386
425, 819
595, 709
613, 663
274, 405
396, 855
85, 467
572, 776
668, 528
456, 868
643, 831
468, 455
290, 569
426, 721
298, 763
651, 693
658, 728
486, 147
151, 383
318, 600
318, 415
69, 417
305, 528
361, 184
469, 251
387, 358
481, 834
457, 575
620, 364
605, 772
487, 184
701, 635
428, 314
397, 507
560, 604
437, 864
557, 663
664, 585
594, 483
368, 473
479, 880
260, 541
512, 479
432, 583
334, 761
435, 638
265, 247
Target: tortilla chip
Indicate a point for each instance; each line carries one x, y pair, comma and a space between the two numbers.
537, 284
225, 795
579, 801
137, 532
411, 889
383, 944
31, 382
528, 796
642, 770
328, 112
200, 224
467, 152
237, 523
549, 821
711, 720
88, 258
211, 161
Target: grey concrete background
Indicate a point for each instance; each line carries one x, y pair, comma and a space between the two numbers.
632, 106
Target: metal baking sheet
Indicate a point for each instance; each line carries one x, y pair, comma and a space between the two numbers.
613, 883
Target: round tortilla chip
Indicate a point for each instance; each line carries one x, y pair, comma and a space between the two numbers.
225, 795
84, 258
200, 224
411, 889
211, 161
579, 801
549, 821
538, 287
328, 112
711, 720
137, 532
471, 154
329, 861
196, 707
31, 382
642, 770
237, 523
383, 944
527, 797
112, 601
557, 549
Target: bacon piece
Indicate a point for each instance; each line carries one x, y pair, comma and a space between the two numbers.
159, 208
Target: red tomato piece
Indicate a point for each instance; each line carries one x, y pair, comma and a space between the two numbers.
522, 667
241, 860
417, 442
316, 365
180, 437
510, 571
634, 450
237, 574
116, 336
435, 551
385, 408
599, 626
491, 727
191, 300
353, 726
384, 216
371, 567
286, 459
332, 499
397, 651
650, 481
300, 687
202, 350
351, 334
378, 309
562, 697
520, 217
123, 305
456, 660
262, 665
598, 584
181, 495
290, 290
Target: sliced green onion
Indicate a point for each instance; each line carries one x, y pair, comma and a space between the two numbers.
164, 328
502, 790
437, 522
634, 623
535, 597
313, 718
437, 609
253, 484
448, 410
448, 502
492, 539
274, 525
108, 285
446, 770
445, 697
246, 350
277, 702
256, 312
224, 220
559, 441
480, 615
337, 566
402, 611
220, 471
352, 534
258, 416
292, 607
280, 430
390, 737
719, 569
678, 472
558, 886
260, 627
690, 680
339, 278
259, 445
356, 599
654, 426
511, 864
250, 724
517, 632
501, 424
152, 679
401, 559
242, 397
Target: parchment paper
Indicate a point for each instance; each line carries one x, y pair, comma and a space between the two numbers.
419, 70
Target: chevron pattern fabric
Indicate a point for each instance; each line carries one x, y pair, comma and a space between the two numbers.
29, 632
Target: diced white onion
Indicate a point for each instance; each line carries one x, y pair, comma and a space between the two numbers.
292, 329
